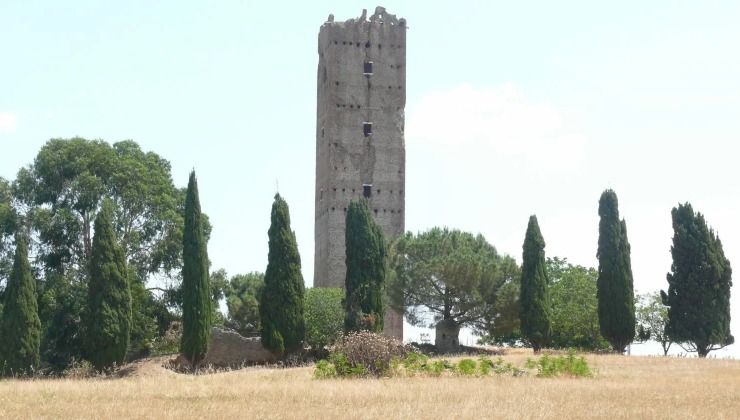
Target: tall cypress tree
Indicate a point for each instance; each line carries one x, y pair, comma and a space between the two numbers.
614, 285
534, 299
196, 305
20, 328
365, 259
281, 304
698, 297
108, 296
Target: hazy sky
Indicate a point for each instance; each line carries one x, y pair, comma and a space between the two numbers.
513, 108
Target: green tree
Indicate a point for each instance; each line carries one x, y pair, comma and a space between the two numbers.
574, 313
614, 287
534, 300
698, 296
364, 283
454, 275
652, 318
20, 327
242, 300
324, 317
8, 223
196, 309
281, 306
501, 324
59, 195
109, 296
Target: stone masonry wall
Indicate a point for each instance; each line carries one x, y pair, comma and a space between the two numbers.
349, 162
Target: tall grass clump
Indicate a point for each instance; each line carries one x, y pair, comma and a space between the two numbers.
552, 366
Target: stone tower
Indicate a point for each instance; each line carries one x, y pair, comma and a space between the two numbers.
359, 136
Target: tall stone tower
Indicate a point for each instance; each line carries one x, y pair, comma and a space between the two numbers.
359, 136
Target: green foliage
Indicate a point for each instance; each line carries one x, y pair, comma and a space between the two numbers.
466, 367
574, 314
412, 363
8, 226
61, 307
614, 286
324, 315
169, 342
698, 296
534, 298
552, 366
20, 327
197, 310
366, 270
281, 306
652, 318
109, 297
452, 274
242, 300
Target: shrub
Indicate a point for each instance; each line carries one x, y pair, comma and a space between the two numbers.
169, 343
466, 367
570, 365
365, 353
324, 315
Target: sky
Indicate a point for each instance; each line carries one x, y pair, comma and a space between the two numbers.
513, 108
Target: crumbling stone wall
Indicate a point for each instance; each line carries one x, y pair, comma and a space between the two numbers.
360, 149
228, 348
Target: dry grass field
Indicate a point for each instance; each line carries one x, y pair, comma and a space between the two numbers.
624, 387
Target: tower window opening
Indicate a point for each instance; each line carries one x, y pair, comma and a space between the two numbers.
367, 128
367, 44
376, 212
368, 68
367, 190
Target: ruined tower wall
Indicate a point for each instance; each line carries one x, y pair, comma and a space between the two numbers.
349, 160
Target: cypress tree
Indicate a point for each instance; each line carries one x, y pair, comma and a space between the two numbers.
534, 299
698, 297
108, 296
614, 287
20, 327
365, 280
196, 305
281, 304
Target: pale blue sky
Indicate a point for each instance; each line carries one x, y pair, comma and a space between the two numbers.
513, 108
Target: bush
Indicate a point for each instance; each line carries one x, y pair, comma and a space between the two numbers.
364, 353
570, 365
324, 315
169, 343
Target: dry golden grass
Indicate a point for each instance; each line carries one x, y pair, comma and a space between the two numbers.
624, 387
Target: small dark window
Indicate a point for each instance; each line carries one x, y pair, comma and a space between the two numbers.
368, 68
367, 44
367, 129
376, 212
367, 190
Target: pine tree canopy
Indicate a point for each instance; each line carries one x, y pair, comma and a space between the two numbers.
615, 285
109, 296
698, 296
534, 298
196, 308
281, 304
20, 328
365, 249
